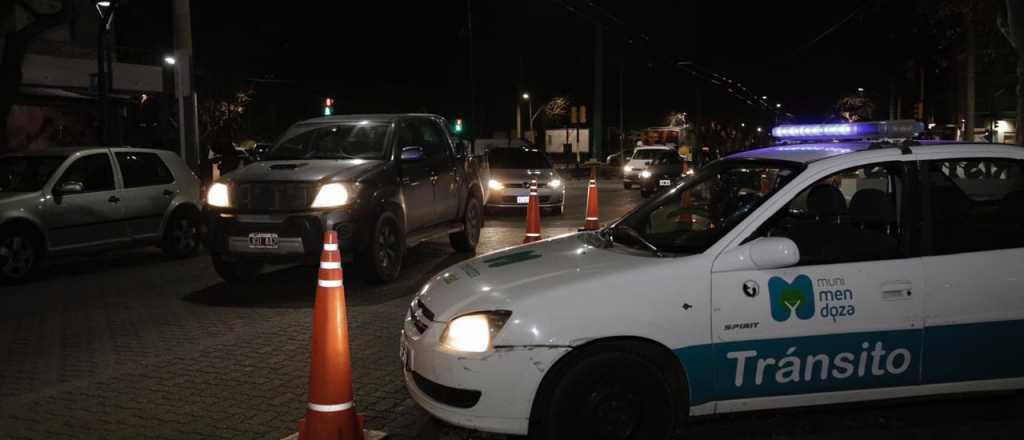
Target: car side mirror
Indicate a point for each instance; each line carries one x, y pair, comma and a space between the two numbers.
412, 154
764, 253
463, 148
69, 187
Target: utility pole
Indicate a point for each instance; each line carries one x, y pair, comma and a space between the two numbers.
622, 124
104, 70
472, 82
188, 120
597, 129
971, 55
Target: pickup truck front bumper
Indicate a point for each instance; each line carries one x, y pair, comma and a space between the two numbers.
299, 234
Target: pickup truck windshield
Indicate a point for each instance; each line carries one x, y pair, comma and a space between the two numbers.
355, 140
691, 217
27, 174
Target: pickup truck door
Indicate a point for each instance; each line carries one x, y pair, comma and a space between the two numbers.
447, 181
417, 179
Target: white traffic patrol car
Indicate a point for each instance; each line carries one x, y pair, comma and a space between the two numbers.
799, 274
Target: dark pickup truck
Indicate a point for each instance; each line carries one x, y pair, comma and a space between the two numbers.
383, 182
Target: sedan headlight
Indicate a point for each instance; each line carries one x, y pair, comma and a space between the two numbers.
555, 183
474, 332
495, 185
645, 174
626, 169
330, 196
218, 195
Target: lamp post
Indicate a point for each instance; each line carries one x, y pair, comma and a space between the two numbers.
104, 69
529, 110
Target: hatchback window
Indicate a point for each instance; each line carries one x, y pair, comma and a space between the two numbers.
976, 204
355, 140
143, 169
517, 159
94, 172
27, 174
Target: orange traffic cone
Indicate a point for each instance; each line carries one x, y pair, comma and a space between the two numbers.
533, 216
591, 224
331, 413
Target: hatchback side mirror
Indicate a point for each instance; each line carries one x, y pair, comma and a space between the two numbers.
69, 187
412, 154
765, 253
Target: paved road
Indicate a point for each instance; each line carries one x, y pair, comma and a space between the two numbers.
132, 345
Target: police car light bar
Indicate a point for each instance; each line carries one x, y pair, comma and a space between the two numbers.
854, 130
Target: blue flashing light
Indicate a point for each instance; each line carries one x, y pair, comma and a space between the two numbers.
853, 130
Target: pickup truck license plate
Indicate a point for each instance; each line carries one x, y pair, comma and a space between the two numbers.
664, 182
263, 240
522, 199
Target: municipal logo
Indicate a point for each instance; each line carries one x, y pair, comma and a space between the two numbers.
788, 299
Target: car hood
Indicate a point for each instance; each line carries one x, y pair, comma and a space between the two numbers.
305, 170
511, 175
497, 280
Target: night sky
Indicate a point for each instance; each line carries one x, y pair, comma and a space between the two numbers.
377, 56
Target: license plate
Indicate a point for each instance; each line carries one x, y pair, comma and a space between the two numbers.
664, 182
263, 240
522, 199
405, 352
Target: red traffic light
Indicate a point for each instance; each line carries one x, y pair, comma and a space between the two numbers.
328, 102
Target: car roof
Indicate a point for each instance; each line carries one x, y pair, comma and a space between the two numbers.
68, 151
812, 152
384, 117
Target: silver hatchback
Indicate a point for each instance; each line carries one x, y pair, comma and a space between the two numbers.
65, 201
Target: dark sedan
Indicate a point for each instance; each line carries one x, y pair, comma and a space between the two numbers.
664, 170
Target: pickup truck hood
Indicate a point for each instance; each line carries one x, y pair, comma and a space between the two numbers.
313, 170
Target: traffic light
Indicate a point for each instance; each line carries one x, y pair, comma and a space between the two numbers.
328, 106
458, 125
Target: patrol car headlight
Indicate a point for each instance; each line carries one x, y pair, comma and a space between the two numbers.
645, 174
474, 332
218, 195
555, 183
626, 169
331, 195
495, 185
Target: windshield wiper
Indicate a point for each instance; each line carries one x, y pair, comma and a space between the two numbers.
640, 238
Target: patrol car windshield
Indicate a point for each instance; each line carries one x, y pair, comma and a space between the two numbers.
27, 174
355, 140
691, 217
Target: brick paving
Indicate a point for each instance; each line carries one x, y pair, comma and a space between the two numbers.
132, 345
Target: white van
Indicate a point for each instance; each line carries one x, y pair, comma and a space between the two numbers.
793, 275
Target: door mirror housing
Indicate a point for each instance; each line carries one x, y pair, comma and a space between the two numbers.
463, 149
765, 253
69, 187
412, 154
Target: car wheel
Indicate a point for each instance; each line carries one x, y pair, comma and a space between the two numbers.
627, 185
181, 236
236, 272
386, 250
467, 239
20, 255
612, 391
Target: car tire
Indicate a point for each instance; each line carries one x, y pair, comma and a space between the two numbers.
181, 235
627, 185
467, 239
385, 251
21, 254
238, 271
615, 390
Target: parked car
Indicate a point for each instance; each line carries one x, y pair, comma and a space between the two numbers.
512, 170
65, 201
828, 272
382, 182
641, 157
664, 170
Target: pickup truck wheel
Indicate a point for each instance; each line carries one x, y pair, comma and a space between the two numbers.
20, 254
236, 272
467, 239
386, 250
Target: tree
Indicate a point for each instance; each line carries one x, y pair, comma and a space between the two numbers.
1012, 26
43, 16
221, 116
855, 107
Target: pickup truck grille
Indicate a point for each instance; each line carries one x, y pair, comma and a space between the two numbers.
274, 196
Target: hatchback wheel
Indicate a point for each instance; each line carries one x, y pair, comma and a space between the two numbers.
20, 254
181, 237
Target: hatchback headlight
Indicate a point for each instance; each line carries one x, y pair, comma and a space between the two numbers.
555, 183
645, 174
474, 332
331, 195
495, 185
626, 169
218, 195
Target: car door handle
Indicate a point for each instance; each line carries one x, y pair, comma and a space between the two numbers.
114, 199
897, 290
168, 193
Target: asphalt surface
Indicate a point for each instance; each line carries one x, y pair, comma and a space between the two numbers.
130, 344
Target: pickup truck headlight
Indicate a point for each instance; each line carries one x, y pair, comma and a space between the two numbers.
474, 332
331, 195
645, 174
218, 195
495, 185
555, 183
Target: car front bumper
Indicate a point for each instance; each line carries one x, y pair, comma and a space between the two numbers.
654, 183
490, 391
507, 198
300, 234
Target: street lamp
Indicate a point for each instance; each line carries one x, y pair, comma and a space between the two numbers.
526, 96
169, 60
104, 68
778, 105
860, 89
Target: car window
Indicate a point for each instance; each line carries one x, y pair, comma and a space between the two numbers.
853, 215
143, 169
27, 174
975, 204
94, 172
668, 158
430, 137
646, 154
